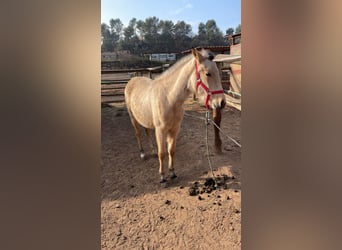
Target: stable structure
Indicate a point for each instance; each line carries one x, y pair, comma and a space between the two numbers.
233, 39
230, 67
163, 57
235, 67
216, 49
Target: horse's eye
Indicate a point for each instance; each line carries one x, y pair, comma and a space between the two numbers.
208, 74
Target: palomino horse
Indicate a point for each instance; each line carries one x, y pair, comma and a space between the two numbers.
158, 103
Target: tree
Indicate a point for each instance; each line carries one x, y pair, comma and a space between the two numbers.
130, 39
230, 31
166, 41
107, 43
130, 31
181, 36
182, 29
202, 31
116, 27
156, 36
200, 39
148, 34
148, 28
213, 34
166, 27
208, 34
238, 29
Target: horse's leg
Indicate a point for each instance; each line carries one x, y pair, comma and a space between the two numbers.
160, 137
217, 120
171, 146
148, 133
138, 135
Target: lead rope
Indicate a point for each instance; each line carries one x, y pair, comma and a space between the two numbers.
210, 120
238, 144
207, 121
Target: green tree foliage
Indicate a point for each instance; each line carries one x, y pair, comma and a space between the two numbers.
201, 38
238, 29
166, 37
111, 35
209, 34
107, 41
181, 36
230, 31
159, 36
213, 34
130, 39
116, 28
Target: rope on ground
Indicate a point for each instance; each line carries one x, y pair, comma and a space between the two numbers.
212, 121
225, 134
194, 116
207, 121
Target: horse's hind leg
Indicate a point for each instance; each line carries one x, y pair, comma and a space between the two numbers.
138, 135
160, 137
148, 133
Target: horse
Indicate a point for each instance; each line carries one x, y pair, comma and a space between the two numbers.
158, 104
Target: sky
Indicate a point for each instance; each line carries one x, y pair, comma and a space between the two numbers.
226, 13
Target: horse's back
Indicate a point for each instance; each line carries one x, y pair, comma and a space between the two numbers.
137, 85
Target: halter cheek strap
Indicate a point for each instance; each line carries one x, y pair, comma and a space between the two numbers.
205, 88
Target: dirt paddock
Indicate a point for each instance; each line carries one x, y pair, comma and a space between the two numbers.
138, 213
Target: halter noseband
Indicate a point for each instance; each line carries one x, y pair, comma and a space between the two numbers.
205, 88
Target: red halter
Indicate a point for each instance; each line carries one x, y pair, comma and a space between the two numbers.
206, 89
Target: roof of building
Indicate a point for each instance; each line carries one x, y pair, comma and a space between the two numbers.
211, 48
227, 58
232, 36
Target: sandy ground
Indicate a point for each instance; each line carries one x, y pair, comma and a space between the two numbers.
138, 213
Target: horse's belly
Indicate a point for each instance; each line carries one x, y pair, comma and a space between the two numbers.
144, 119
141, 109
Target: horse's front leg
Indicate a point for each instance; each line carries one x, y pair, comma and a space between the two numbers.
171, 146
217, 120
161, 140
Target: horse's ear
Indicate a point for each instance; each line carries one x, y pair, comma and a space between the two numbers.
197, 55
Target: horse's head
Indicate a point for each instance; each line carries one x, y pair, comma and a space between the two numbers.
208, 79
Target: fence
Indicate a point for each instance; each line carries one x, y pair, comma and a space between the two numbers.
113, 82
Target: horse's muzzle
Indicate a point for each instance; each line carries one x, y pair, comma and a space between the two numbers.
219, 104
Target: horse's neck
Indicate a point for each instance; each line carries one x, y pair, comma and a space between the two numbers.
179, 86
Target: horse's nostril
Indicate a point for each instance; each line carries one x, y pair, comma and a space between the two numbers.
223, 103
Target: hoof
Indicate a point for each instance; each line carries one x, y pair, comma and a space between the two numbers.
218, 151
173, 175
142, 155
162, 180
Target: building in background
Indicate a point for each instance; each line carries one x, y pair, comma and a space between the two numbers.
162, 57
